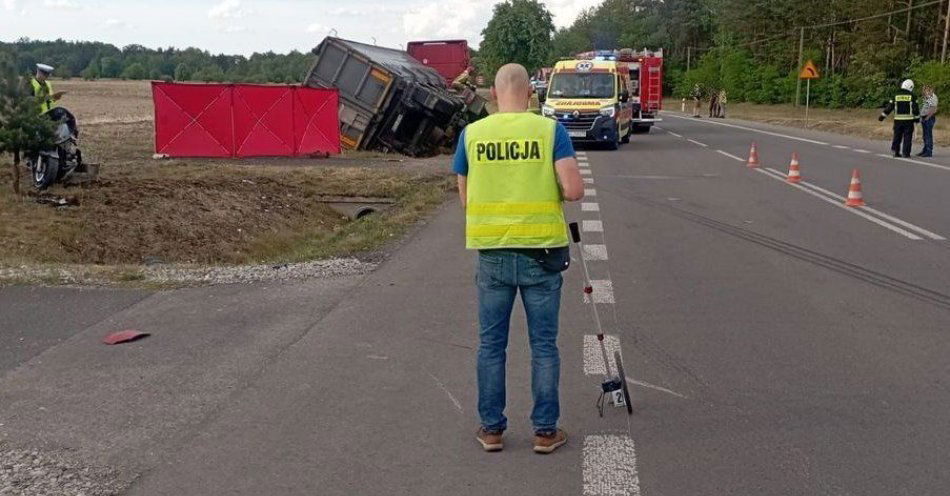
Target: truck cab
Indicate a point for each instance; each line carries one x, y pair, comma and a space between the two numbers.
590, 97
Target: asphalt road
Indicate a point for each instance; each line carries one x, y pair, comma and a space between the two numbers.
775, 343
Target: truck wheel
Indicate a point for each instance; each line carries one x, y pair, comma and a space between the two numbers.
45, 172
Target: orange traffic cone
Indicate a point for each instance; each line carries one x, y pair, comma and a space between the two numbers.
855, 197
794, 174
753, 157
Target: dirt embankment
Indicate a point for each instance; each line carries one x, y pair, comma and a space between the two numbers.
208, 212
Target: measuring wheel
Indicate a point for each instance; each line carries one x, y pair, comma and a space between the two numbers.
623, 383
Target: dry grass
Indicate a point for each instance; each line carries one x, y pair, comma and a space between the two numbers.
854, 122
208, 211
106, 101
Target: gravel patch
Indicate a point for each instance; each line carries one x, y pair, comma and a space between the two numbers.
169, 274
35, 473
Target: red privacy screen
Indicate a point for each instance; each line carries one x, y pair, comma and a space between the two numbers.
244, 120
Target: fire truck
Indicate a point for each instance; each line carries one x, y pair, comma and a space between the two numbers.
646, 82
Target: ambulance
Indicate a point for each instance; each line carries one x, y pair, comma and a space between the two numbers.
591, 98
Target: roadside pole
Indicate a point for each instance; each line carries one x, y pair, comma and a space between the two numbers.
801, 46
807, 99
809, 71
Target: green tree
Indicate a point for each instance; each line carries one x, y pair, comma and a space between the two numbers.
183, 72
110, 67
23, 131
91, 72
519, 31
135, 71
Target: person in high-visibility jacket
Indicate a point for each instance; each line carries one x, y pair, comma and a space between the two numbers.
515, 169
42, 89
906, 114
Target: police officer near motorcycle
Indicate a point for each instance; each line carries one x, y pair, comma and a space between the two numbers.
42, 89
906, 114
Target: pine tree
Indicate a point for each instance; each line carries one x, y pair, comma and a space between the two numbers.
23, 131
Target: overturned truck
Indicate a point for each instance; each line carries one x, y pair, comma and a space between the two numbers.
389, 101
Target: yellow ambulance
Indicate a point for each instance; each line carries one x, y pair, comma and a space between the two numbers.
591, 99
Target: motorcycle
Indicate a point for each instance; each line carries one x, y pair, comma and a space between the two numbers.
62, 160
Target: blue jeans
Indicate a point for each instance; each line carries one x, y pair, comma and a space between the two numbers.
501, 274
928, 128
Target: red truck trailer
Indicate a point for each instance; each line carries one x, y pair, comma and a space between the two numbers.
646, 81
449, 57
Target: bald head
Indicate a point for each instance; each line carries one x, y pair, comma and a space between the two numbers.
512, 88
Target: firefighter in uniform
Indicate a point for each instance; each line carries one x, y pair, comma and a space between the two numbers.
514, 169
906, 114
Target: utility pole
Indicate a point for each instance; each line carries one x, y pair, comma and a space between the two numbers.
946, 29
801, 46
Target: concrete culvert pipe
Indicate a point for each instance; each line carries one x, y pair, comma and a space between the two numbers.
363, 212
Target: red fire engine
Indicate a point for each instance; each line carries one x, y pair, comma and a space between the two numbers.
646, 81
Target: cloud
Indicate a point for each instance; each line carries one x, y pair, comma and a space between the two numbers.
61, 4
447, 19
9, 4
228, 9
116, 24
234, 29
317, 28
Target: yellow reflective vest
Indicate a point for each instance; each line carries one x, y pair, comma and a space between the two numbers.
43, 96
513, 200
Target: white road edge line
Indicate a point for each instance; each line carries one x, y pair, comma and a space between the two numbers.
588, 180
838, 204
610, 466
590, 192
883, 215
921, 162
806, 140
704, 145
731, 156
590, 207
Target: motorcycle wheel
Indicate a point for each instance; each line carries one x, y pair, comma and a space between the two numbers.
45, 172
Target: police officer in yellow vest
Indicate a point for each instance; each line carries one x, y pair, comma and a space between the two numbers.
514, 169
906, 113
42, 90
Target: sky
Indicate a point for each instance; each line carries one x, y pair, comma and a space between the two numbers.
247, 26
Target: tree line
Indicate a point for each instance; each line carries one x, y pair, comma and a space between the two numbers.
93, 60
750, 48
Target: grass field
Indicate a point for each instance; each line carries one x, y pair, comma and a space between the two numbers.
204, 211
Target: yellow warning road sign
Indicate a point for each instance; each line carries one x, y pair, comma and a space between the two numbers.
809, 71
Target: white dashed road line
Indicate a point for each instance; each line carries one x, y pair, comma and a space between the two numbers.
603, 292
610, 466
585, 172
859, 150
588, 180
590, 192
730, 155
592, 226
595, 252
704, 145
841, 147
778, 176
675, 134
883, 215
590, 207
594, 358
